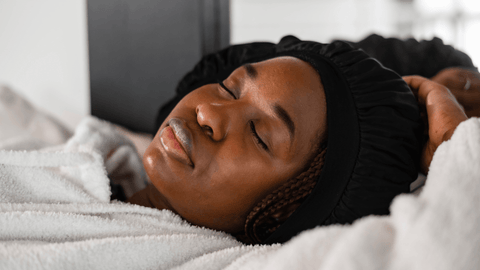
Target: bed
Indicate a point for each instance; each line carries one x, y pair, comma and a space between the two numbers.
56, 213
55, 210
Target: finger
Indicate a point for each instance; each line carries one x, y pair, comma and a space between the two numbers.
424, 86
418, 84
414, 83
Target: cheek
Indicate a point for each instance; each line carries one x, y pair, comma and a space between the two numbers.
228, 198
242, 182
187, 105
195, 97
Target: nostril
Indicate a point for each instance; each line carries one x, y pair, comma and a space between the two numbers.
208, 130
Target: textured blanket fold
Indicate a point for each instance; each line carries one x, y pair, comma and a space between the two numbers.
22, 126
55, 213
55, 210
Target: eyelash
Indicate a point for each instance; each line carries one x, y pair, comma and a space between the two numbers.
257, 138
226, 89
252, 125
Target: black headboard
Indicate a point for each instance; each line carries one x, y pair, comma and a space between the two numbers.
139, 50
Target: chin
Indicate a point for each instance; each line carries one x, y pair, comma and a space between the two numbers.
161, 171
151, 163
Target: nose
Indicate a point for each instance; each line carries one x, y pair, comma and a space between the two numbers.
214, 119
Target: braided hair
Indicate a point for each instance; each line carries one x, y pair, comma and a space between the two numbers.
276, 207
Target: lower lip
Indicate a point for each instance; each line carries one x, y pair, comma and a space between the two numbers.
172, 146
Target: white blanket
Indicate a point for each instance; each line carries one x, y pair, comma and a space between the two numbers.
55, 214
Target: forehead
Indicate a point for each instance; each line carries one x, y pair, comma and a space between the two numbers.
289, 81
286, 76
295, 86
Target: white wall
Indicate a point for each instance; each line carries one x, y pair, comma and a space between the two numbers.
324, 20
457, 22
44, 48
44, 54
319, 20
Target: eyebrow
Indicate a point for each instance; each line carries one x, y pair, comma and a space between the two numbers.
279, 110
251, 71
285, 117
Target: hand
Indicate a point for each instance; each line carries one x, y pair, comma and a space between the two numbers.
464, 85
443, 111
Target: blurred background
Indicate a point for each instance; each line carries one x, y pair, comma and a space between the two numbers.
77, 57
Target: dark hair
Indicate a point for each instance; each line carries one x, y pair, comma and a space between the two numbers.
276, 207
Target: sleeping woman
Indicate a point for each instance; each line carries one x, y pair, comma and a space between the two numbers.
266, 140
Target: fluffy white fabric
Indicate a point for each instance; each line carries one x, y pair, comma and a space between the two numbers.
55, 214
22, 126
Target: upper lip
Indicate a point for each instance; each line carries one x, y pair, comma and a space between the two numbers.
183, 135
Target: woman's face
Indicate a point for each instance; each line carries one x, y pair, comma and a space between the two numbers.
221, 151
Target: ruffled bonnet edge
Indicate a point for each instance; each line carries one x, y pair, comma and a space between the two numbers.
374, 137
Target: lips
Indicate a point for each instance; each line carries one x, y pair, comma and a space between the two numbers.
176, 139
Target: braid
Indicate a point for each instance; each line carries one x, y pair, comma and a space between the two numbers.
276, 207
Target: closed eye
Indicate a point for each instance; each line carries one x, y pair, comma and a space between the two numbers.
226, 89
257, 138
